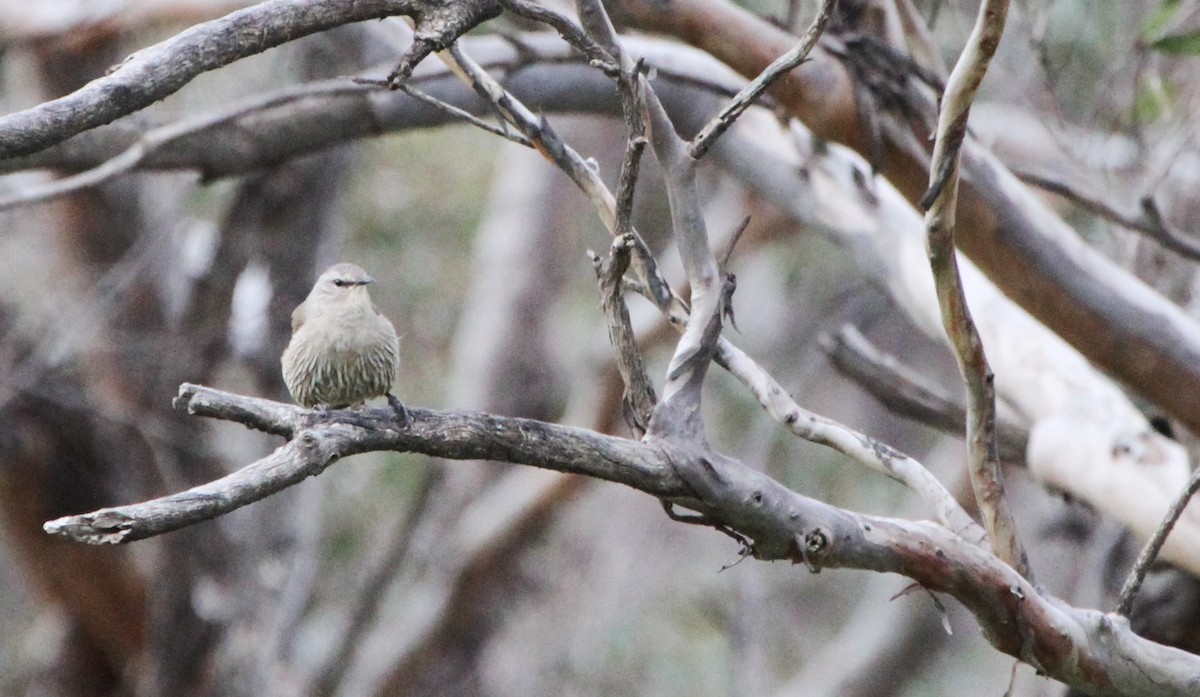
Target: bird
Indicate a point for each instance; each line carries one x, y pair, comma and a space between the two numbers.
343, 351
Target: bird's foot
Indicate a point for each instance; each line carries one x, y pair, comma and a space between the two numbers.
318, 414
402, 412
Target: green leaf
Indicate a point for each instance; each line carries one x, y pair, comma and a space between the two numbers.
1158, 21
1185, 44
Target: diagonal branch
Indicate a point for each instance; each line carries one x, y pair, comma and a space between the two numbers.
450, 109
162, 69
941, 200
1150, 552
1148, 220
780, 67
585, 175
911, 395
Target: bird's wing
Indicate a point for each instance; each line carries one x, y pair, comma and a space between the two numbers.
298, 318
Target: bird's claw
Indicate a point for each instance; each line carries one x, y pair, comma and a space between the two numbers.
318, 414
402, 412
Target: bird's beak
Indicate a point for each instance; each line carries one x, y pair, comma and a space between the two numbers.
366, 280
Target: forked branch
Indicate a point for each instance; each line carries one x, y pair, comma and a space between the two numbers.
1082, 648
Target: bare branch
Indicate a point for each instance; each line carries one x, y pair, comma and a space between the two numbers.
942, 197
781, 66
1082, 648
585, 174
160, 70
546, 141
160, 138
316, 443
1150, 552
597, 55
450, 109
860, 447
639, 396
604, 52
1148, 220
694, 352
910, 395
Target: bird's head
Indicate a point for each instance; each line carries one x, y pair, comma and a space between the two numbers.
342, 283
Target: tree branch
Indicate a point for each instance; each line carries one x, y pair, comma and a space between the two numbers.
1082, 648
693, 354
781, 66
1148, 220
315, 444
639, 398
162, 69
158, 139
941, 201
1150, 552
910, 395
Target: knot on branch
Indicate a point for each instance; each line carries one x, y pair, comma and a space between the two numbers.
812, 548
437, 26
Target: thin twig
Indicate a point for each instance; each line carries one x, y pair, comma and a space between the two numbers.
639, 398
544, 138
1148, 220
633, 107
911, 395
781, 66
1150, 552
597, 55
733, 240
584, 174
454, 111
942, 198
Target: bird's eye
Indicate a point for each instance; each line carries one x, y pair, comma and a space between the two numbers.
340, 283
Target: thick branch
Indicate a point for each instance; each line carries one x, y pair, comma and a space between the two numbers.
316, 443
941, 200
1085, 649
695, 349
160, 70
